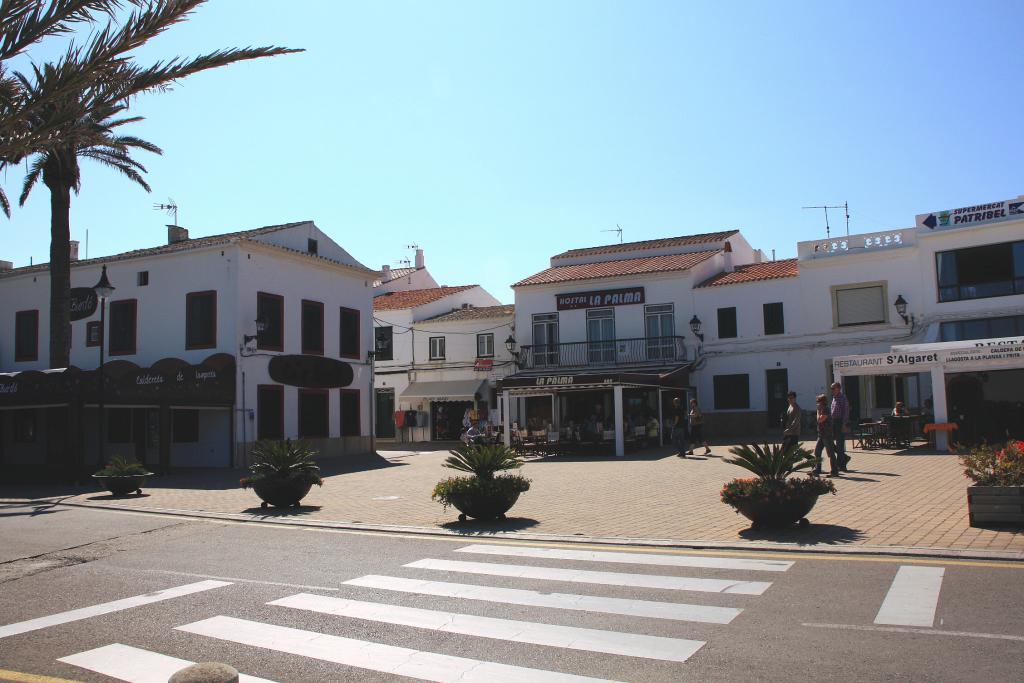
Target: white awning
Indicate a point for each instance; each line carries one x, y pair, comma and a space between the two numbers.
456, 390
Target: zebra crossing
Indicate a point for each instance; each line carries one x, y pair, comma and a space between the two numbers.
664, 599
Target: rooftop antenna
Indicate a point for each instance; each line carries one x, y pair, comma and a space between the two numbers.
170, 207
404, 262
618, 229
845, 206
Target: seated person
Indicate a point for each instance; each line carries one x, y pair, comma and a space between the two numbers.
471, 435
900, 410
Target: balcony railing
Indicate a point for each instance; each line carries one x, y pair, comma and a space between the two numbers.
616, 353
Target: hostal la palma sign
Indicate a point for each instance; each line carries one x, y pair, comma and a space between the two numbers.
605, 297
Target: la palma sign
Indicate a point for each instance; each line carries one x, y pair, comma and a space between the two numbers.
605, 297
82, 303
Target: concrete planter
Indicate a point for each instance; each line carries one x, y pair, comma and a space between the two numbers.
996, 505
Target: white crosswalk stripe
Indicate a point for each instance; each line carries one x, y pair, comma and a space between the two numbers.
571, 637
912, 597
708, 614
700, 561
136, 665
361, 654
679, 583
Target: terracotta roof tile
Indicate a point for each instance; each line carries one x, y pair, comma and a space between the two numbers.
755, 272
474, 313
395, 301
631, 266
682, 241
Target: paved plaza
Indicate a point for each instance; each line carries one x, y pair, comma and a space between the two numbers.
908, 499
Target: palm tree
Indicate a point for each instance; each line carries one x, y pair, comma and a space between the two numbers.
68, 110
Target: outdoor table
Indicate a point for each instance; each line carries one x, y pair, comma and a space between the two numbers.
948, 427
871, 435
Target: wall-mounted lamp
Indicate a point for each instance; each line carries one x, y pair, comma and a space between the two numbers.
901, 308
510, 346
261, 326
695, 327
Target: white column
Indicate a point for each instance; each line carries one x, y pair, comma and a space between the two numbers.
507, 419
939, 404
620, 441
661, 421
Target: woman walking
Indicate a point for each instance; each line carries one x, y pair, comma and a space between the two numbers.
697, 427
824, 418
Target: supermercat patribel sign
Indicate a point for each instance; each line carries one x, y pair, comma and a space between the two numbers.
967, 216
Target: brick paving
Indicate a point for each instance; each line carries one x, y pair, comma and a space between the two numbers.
915, 498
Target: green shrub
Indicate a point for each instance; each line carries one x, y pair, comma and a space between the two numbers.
771, 461
122, 467
987, 466
739, 490
283, 460
483, 460
506, 486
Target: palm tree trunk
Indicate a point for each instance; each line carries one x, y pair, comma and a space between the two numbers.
60, 275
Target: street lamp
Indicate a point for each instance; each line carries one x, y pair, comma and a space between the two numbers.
261, 326
901, 308
695, 327
103, 290
510, 346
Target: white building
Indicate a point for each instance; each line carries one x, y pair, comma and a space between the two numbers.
415, 276
188, 377
440, 352
768, 327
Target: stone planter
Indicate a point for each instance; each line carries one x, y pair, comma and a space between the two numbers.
281, 493
121, 486
483, 506
773, 513
996, 505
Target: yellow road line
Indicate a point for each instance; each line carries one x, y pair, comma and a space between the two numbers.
20, 677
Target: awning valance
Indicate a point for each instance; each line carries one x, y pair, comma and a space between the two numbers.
455, 390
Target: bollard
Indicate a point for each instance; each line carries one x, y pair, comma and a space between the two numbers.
205, 672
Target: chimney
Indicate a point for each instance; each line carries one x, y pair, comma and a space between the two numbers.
73, 250
6, 265
419, 259
176, 234
727, 257
385, 273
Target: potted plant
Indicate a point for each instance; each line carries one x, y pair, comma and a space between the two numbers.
772, 498
121, 476
282, 472
997, 496
482, 495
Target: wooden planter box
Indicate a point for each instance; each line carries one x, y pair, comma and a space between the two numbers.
996, 505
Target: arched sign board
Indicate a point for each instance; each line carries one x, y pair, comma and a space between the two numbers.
82, 302
310, 372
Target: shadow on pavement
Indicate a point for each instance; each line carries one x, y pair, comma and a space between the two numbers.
271, 512
648, 455
815, 534
34, 509
472, 527
111, 496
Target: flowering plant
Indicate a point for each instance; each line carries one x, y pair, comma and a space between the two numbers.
739, 490
987, 466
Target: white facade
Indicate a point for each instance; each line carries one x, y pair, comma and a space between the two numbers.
295, 262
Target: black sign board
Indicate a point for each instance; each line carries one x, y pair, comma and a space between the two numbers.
605, 297
310, 372
82, 303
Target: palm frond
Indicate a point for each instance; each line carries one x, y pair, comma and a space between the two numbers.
34, 171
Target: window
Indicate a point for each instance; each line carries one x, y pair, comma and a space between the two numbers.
773, 319
884, 392
185, 426
119, 425
862, 304
142, 278
349, 334
26, 335
270, 310
93, 332
732, 392
982, 328
123, 318
980, 272
313, 404
270, 411
24, 426
660, 326
485, 345
350, 422
311, 246
727, 322
437, 348
382, 343
201, 320
545, 339
312, 327
601, 335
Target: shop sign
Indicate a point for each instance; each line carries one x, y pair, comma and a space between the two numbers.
996, 212
483, 364
567, 380
9, 388
310, 372
82, 303
605, 297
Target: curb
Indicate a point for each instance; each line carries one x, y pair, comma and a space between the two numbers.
427, 532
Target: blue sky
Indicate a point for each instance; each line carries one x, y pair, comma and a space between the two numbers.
494, 135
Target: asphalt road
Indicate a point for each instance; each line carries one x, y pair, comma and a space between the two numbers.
73, 581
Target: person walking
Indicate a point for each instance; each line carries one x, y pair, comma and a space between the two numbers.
840, 416
791, 423
679, 427
697, 427
823, 420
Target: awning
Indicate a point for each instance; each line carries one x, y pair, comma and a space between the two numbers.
455, 390
673, 378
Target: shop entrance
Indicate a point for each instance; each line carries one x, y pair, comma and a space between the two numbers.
987, 406
384, 413
446, 419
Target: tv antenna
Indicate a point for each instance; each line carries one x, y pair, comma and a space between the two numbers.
404, 262
171, 208
618, 229
845, 206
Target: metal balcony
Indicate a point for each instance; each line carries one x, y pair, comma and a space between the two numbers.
618, 353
